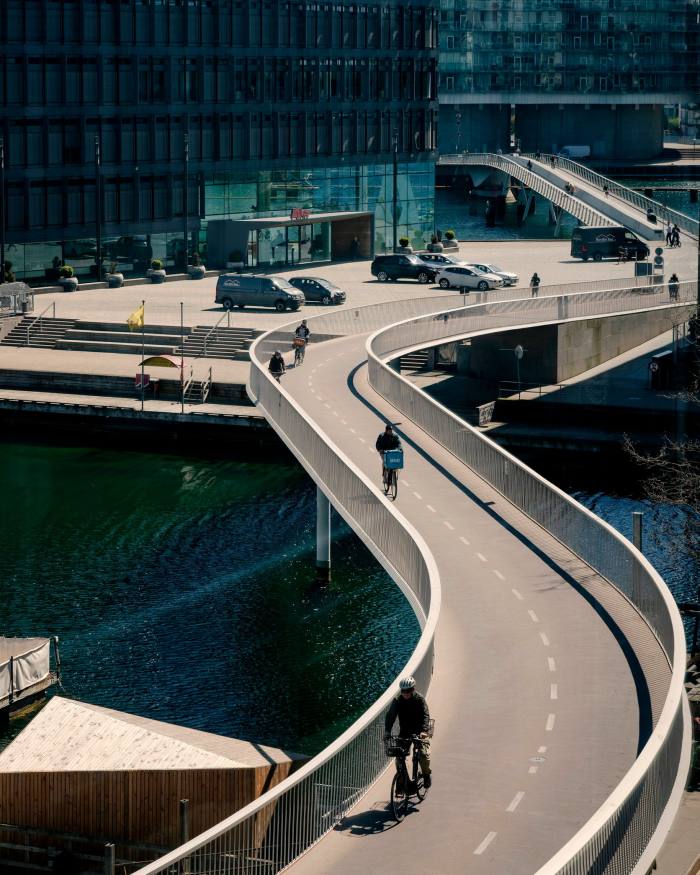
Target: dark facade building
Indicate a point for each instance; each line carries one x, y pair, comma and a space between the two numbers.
570, 72
264, 106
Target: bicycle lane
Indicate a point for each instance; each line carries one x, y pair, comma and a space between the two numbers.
528, 679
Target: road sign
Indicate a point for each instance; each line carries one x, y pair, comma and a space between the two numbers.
659, 250
658, 261
519, 351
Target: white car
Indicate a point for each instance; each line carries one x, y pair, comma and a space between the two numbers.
509, 278
470, 277
439, 259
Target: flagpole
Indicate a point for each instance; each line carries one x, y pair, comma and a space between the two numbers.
143, 347
182, 358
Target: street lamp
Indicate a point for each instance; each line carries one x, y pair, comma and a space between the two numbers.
395, 149
2, 210
186, 185
98, 209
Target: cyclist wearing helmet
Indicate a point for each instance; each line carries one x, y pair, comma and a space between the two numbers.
277, 366
411, 710
387, 440
302, 330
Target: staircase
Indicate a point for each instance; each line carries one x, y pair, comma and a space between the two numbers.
414, 361
218, 343
45, 332
116, 337
197, 391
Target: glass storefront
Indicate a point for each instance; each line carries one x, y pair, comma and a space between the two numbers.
289, 245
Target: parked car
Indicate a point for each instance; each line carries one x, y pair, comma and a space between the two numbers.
394, 267
509, 278
606, 241
318, 290
244, 290
459, 276
439, 259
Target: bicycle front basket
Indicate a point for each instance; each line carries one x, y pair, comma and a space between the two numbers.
393, 459
394, 746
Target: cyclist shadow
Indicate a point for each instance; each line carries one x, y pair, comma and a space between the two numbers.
372, 822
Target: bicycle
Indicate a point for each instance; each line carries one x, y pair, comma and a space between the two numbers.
403, 785
299, 350
392, 461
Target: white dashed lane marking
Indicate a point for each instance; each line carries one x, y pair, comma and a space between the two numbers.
482, 557
363, 440
542, 749
498, 574
431, 508
532, 770
549, 726
486, 842
517, 595
553, 691
544, 638
449, 525
353, 431
464, 541
551, 663
418, 496
533, 616
516, 801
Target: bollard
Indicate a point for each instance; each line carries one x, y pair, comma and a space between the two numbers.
109, 862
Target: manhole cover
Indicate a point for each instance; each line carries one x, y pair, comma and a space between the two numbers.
538, 759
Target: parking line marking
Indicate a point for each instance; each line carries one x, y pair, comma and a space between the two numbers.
498, 574
549, 726
533, 616
553, 691
516, 801
517, 594
544, 638
449, 525
551, 663
486, 842
482, 557
464, 541
431, 508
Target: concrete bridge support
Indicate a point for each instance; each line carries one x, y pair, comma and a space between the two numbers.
323, 538
630, 131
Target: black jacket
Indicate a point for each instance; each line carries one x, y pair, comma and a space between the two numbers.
412, 714
276, 365
387, 442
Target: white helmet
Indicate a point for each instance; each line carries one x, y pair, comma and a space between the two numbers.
407, 683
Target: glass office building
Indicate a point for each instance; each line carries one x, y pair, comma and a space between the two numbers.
559, 72
282, 105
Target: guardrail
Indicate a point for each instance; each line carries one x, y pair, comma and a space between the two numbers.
621, 837
623, 193
39, 319
267, 835
570, 204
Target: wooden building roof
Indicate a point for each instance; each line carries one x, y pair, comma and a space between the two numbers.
71, 736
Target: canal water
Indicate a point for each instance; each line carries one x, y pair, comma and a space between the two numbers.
181, 590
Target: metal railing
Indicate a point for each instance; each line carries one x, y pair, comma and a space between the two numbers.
628, 195
215, 331
271, 832
38, 320
622, 834
569, 203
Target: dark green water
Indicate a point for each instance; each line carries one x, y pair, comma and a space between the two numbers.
181, 590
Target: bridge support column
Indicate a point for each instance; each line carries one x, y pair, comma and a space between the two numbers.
323, 538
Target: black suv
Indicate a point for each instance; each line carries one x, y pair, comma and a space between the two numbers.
394, 267
317, 289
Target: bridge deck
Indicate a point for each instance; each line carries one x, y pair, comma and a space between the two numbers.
538, 715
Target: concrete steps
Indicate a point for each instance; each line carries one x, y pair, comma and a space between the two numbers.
414, 361
43, 335
116, 337
224, 343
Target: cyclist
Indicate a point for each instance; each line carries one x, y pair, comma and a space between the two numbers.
411, 710
277, 366
302, 330
387, 440
301, 338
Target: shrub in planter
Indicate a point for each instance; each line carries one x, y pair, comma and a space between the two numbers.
66, 278
404, 245
114, 277
156, 274
450, 241
235, 259
403, 241
66, 271
196, 270
450, 235
435, 245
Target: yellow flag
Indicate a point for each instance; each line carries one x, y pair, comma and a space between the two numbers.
136, 320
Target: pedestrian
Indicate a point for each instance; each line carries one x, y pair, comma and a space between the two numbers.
355, 248
673, 285
552, 161
535, 285
529, 164
538, 155
606, 190
669, 232
675, 236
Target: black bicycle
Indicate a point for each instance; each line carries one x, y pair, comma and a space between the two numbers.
403, 785
390, 473
299, 351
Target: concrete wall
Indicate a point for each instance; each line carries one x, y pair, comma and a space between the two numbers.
612, 131
482, 127
491, 357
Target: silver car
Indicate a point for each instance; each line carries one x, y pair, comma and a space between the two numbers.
459, 276
509, 278
439, 259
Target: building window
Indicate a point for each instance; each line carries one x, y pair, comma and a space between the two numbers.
449, 83
450, 43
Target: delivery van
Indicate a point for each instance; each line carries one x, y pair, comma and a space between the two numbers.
607, 242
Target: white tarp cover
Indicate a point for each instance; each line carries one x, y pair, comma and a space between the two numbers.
28, 669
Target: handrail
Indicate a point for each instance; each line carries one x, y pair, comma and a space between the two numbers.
39, 318
227, 316
569, 203
287, 820
624, 193
206, 387
624, 834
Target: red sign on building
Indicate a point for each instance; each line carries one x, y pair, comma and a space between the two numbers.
299, 213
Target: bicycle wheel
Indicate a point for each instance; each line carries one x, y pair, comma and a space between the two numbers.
386, 480
394, 483
399, 796
421, 789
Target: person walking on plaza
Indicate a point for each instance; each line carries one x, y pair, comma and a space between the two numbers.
669, 232
673, 286
675, 236
535, 285
411, 710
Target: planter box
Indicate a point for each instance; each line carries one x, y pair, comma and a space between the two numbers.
114, 280
450, 244
435, 247
156, 276
196, 271
68, 283
234, 265
406, 250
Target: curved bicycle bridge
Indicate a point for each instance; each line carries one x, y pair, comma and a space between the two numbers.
555, 650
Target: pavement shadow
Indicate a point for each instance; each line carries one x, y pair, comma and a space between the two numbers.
367, 823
